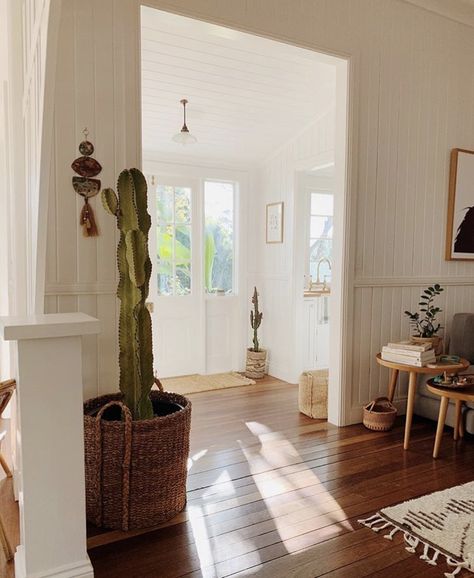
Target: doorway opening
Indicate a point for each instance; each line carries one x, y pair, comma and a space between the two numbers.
269, 127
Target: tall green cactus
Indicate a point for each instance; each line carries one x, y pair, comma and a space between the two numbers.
134, 265
255, 319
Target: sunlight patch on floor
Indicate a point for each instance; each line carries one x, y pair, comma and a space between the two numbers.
193, 459
311, 510
224, 485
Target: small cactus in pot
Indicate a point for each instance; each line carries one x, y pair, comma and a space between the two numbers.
256, 357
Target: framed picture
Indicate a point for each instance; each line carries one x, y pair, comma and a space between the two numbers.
460, 227
275, 223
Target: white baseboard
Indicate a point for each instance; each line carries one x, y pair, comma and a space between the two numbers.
80, 569
281, 373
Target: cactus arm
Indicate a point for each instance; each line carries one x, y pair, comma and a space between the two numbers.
110, 201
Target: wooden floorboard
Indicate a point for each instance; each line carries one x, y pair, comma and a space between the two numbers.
272, 493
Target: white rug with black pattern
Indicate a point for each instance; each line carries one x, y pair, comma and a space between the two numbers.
436, 525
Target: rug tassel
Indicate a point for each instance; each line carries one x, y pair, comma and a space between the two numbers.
432, 562
458, 567
391, 534
412, 543
453, 574
369, 522
382, 527
425, 556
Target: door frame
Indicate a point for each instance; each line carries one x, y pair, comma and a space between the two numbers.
347, 96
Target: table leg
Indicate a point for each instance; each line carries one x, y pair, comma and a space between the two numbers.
393, 384
410, 404
443, 408
457, 423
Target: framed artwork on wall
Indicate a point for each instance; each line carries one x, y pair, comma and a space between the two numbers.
460, 226
274, 232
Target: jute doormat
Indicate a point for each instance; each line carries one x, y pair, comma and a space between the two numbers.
197, 383
440, 524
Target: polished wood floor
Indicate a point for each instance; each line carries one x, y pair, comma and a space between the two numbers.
275, 494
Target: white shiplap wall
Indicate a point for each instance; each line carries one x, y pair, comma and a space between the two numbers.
276, 262
413, 88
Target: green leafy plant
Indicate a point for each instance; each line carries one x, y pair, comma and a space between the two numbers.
134, 265
426, 325
255, 320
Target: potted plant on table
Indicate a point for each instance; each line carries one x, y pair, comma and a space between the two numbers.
136, 441
256, 356
423, 323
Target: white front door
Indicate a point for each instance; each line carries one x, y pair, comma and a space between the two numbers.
176, 288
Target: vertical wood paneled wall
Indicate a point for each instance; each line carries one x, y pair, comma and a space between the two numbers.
412, 102
276, 262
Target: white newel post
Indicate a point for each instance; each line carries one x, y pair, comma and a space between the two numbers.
50, 441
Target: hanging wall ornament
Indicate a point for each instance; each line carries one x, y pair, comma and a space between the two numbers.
85, 185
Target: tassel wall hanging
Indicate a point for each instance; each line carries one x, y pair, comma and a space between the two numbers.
86, 186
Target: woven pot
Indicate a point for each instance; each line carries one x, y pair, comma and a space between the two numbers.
256, 364
135, 470
436, 342
380, 414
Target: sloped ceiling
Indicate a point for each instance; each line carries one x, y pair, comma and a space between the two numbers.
247, 95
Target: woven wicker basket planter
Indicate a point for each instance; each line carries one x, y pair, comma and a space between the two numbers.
135, 470
256, 364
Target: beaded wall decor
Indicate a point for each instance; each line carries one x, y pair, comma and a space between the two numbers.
85, 185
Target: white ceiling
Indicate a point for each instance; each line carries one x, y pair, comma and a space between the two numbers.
459, 10
247, 95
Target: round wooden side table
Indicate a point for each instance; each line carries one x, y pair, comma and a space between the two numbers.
460, 395
413, 372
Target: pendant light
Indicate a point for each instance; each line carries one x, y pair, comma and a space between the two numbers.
184, 137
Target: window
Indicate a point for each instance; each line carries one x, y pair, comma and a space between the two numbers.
218, 237
320, 236
173, 205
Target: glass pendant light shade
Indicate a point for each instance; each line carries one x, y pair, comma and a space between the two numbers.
184, 137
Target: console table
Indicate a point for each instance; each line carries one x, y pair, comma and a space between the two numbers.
413, 372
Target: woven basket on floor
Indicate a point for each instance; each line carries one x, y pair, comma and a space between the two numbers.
313, 393
380, 414
135, 470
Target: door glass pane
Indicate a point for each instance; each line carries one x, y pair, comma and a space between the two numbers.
183, 279
322, 204
320, 249
173, 235
165, 243
219, 237
165, 278
164, 204
321, 227
182, 204
183, 243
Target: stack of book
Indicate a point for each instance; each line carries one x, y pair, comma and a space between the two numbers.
408, 353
